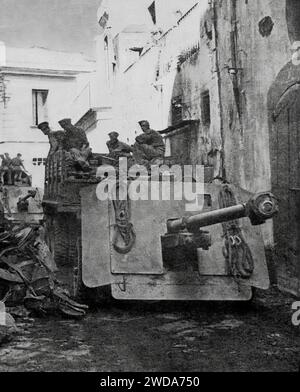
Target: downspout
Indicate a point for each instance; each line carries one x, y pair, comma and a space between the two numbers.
216, 37
234, 70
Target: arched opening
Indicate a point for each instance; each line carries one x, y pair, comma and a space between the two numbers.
284, 128
293, 19
284, 122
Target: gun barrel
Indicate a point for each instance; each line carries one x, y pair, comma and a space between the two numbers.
31, 194
208, 218
259, 208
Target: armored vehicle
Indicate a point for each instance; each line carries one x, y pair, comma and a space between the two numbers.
22, 204
155, 249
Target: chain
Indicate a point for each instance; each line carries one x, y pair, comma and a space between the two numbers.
236, 250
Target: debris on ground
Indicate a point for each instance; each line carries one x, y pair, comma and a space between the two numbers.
28, 284
18, 311
8, 330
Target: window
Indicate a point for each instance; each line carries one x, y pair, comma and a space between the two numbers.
176, 110
205, 108
39, 161
106, 42
107, 58
103, 20
208, 29
39, 106
292, 16
152, 10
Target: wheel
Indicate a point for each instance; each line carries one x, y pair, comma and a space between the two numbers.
80, 291
50, 233
61, 241
62, 231
72, 230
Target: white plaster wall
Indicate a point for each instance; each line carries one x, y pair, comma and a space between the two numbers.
141, 92
99, 136
125, 12
168, 12
16, 119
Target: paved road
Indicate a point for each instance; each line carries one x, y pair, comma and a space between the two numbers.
162, 337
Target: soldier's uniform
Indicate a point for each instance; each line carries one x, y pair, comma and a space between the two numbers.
5, 168
54, 137
118, 149
17, 168
75, 138
76, 145
149, 147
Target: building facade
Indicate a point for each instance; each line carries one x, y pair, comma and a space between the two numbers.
36, 85
222, 79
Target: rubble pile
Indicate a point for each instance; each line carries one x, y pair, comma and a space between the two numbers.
27, 274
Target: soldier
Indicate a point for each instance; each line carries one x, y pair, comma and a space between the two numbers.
76, 144
149, 146
52, 136
5, 168
116, 148
2, 214
75, 136
17, 167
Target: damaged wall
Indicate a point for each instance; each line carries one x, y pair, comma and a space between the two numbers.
250, 56
176, 80
255, 72
225, 66
196, 97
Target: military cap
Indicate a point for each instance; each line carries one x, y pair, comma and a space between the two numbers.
144, 122
113, 133
65, 121
43, 125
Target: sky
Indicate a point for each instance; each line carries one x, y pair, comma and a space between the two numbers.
67, 25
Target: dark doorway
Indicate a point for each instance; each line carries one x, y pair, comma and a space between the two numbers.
293, 19
285, 158
284, 126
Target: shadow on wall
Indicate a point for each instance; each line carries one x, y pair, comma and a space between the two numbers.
193, 144
284, 126
293, 19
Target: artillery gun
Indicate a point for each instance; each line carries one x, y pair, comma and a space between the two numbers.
140, 251
22, 204
187, 231
154, 249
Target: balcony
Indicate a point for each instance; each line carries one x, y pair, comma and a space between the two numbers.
88, 98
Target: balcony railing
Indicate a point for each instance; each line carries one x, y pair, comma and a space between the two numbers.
82, 103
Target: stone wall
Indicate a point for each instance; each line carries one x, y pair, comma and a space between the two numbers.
254, 46
250, 55
226, 66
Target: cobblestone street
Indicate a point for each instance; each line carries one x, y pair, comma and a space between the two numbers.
162, 337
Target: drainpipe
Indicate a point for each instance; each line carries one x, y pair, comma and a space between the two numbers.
234, 70
217, 65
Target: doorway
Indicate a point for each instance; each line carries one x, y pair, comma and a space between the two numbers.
285, 158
